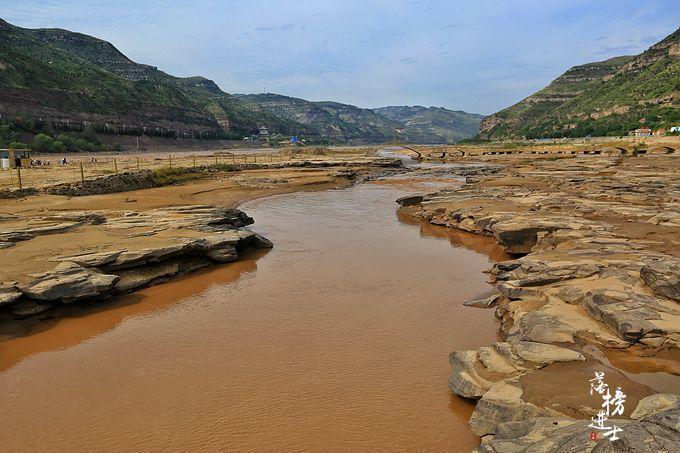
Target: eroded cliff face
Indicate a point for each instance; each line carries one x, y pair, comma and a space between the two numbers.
597, 98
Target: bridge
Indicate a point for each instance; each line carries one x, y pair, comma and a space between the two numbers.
423, 152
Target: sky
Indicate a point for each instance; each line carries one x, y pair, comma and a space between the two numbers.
479, 56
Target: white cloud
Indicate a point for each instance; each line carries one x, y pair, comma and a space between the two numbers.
475, 55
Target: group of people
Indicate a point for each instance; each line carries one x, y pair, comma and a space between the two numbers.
39, 163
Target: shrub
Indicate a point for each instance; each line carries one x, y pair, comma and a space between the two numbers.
18, 145
58, 146
91, 136
81, 144
43, 143
67, 141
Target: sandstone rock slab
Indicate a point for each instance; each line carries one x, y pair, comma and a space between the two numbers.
68, 282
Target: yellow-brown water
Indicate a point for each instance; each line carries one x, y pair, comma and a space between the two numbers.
337, 339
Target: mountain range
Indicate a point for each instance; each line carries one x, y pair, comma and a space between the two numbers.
69, 80
609, 97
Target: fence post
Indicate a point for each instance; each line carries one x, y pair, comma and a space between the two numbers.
255, 157
194, 160
215, 159
170, 156
233, 159
82, 173
115, 165
19, 176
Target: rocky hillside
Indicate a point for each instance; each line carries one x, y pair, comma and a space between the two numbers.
345, 122
331, 120
435, 124
60, 80
59, 76
604, 98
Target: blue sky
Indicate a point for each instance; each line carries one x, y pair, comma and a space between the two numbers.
478, 56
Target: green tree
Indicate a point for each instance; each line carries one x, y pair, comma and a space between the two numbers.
43, 143
58, 147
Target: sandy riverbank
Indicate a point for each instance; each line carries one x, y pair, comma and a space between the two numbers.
56, 248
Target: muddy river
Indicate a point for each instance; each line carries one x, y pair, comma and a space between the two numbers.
336, 339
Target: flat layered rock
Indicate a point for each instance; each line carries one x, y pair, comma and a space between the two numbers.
655, 403
599, 267
487, 302
545, 353
25, 308
657, 432
663, 277
132, 279
226, 254
9, 293
636, 317
145, 256
94, 259
473, 373
503, 403
68, 282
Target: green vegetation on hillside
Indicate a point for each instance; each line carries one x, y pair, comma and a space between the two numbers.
606, 98
343, 122
55, 81
59, 75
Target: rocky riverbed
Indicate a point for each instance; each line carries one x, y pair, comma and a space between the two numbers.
194, 237
597, 270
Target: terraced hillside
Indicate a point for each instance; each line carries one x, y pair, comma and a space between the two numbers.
604, 98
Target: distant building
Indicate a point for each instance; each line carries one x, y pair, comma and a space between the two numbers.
642, 132
659, 132
674, 129
12, 158
264, 133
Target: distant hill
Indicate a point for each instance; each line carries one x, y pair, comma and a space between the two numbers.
349, 123
434, 124
332, 120
604, 98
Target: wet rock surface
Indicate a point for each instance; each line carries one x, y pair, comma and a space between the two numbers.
180, 240
597, 245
